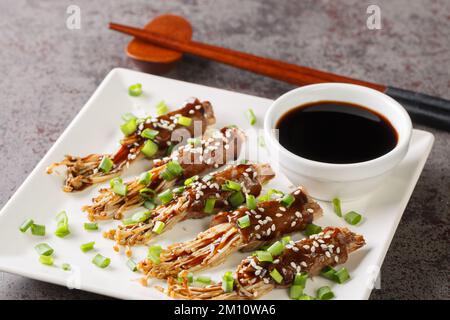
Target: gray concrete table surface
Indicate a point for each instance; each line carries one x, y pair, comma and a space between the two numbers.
49, 72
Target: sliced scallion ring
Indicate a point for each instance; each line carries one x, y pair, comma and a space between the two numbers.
101, 261
43, 249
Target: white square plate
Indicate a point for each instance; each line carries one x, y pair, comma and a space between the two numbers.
96, 129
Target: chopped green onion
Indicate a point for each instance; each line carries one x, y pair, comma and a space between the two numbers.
250, 201
47, 260
85, 247
312, 229
149, 149
227, 282
141, 216
38, 229
131, 265
276, 248
149, 204
166, 196
145, 178
135, 90
325, 293
329, 273
305, 297
251, 116
118, 187
236, 199
243, 161
178, 190
161, 108
184, 121
268, 195
129, 127
101, 261
154, 253
203, 280
352, 217
342, 276
287, 200
276, 276
66, 267
300, 279
190, 180
128, 116
285, 240
174, 168
244, 222
158, 227
62, 225
264, 256
147, 193
106, 164
207, 178
149, 133
295, 291
43, 249
170, 149
231, 186
128, 221
189, 278
26, 225
166, 175
337, 207
209, 205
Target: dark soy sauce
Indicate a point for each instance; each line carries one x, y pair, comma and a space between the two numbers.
336, 132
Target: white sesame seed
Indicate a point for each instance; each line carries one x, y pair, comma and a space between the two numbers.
198, 107
338, 250
293, 265
310, 210
293, 224
257, 227
278, 215
336, 258
306, 247
303, 264
313, 249
273, 227
315, 244
298, 214
295, 249
328, 254
283, 209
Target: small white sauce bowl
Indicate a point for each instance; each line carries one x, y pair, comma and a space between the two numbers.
326, 181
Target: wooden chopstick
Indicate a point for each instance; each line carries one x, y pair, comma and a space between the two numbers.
280, 70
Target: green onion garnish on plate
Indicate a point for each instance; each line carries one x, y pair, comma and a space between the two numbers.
154, 253
118, 187
251, 116
85, 247
244, 222
165, 196
106, 164
26, 225
131, 265
184, 121
149, 133
150, 148
312, 229
43, 249
352, 217
325, 293
66, 267
158, 227
129, 127
236, 199
145, 178
209, 205
135, 90
276, 276
46, 260
38, 230
90, 226
337, 207
250, 201
276, 248
264, 256
101, 261
62, 225
161, 108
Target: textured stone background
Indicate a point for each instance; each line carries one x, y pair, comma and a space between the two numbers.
49, 72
